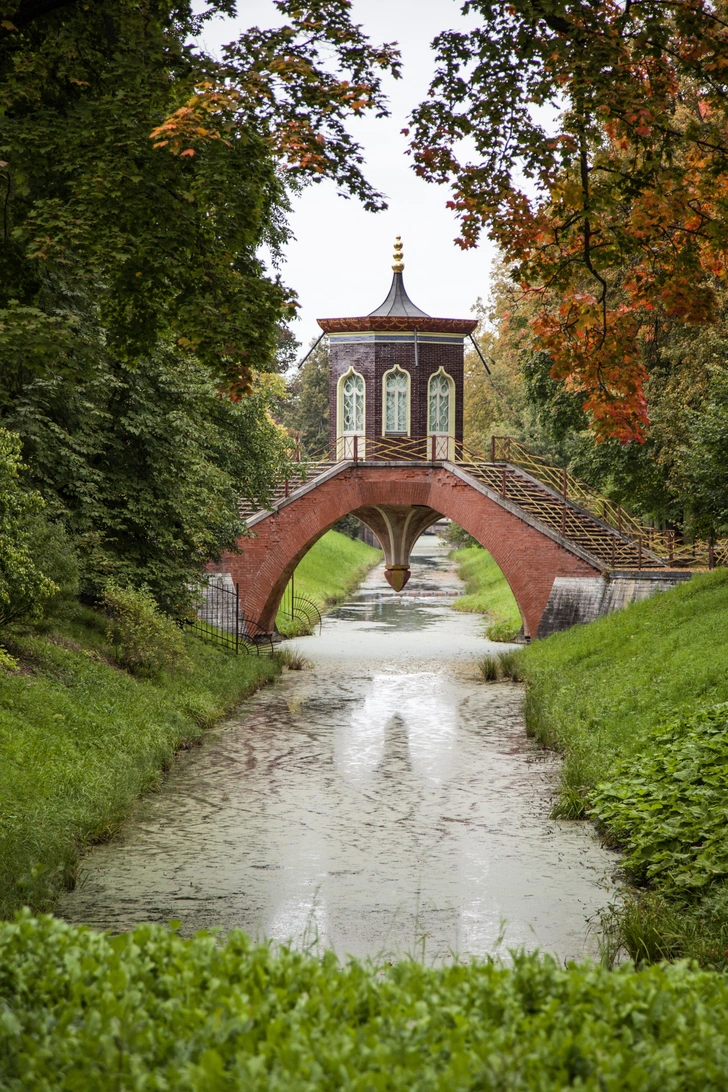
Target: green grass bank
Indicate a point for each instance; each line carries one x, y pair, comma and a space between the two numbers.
147, 1010
329, 572
487, 592
80, 739
636, 703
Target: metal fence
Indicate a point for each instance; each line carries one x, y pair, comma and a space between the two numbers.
300, 608
220, 620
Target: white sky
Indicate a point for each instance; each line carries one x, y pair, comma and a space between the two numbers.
339, 262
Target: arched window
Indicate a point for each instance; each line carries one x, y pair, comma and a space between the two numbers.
439, 424
353, 405
441, 414
351, 416
396, 401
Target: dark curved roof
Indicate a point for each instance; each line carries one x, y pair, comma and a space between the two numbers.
398, 304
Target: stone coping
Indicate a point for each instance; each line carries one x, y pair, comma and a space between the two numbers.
395, 323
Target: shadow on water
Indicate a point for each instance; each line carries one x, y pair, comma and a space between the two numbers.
385, 802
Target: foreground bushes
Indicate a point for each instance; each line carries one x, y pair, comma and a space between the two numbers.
145, 640
147, 1010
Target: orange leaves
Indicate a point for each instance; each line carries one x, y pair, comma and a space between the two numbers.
605, 369
200, 120
622, 226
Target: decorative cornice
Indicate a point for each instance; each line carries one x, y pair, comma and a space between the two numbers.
397, 323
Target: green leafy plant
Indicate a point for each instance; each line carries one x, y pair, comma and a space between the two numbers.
81, 1011
146, 641
668, 809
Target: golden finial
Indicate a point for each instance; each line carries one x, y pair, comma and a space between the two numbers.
398, 256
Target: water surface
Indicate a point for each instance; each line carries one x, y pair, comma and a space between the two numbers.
385, 802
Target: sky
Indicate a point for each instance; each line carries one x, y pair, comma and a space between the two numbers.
339, 261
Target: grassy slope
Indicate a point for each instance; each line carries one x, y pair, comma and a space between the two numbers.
597, 691
633, 702
329, 572
81, 739
487, 592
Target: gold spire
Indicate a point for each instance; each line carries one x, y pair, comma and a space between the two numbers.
398, 256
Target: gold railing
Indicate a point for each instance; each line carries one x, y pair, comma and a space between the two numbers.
396, 448
567, 504
668, 546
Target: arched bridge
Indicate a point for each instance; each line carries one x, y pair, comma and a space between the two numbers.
567, 553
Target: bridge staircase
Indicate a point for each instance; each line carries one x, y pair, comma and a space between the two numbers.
606, 534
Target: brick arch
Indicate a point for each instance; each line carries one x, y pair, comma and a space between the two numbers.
529, 559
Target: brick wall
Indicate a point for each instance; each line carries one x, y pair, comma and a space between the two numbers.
373, 359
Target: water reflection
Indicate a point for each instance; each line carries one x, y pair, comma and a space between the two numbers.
405, 722
385, 802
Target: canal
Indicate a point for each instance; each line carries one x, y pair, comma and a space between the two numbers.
384, 802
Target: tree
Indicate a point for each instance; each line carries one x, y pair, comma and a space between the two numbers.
600, 132
139, 179
306, 410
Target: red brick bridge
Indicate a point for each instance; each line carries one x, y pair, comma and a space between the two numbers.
396, 388
567, 554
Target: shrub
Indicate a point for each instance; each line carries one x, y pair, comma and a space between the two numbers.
82, 1011
146, 641
7, 662
511, 665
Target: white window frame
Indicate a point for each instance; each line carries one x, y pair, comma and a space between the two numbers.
396, 370
345, 441
444, 442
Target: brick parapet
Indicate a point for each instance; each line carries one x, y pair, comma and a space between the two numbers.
529, 559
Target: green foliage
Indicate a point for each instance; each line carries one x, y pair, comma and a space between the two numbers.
150, 1010
511, 664
146, 465
80, 740
7, 662
705, 457
56, 556
487, 592
145, 640
489, 667
668, 809
24, 587
328, 573
457, 536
